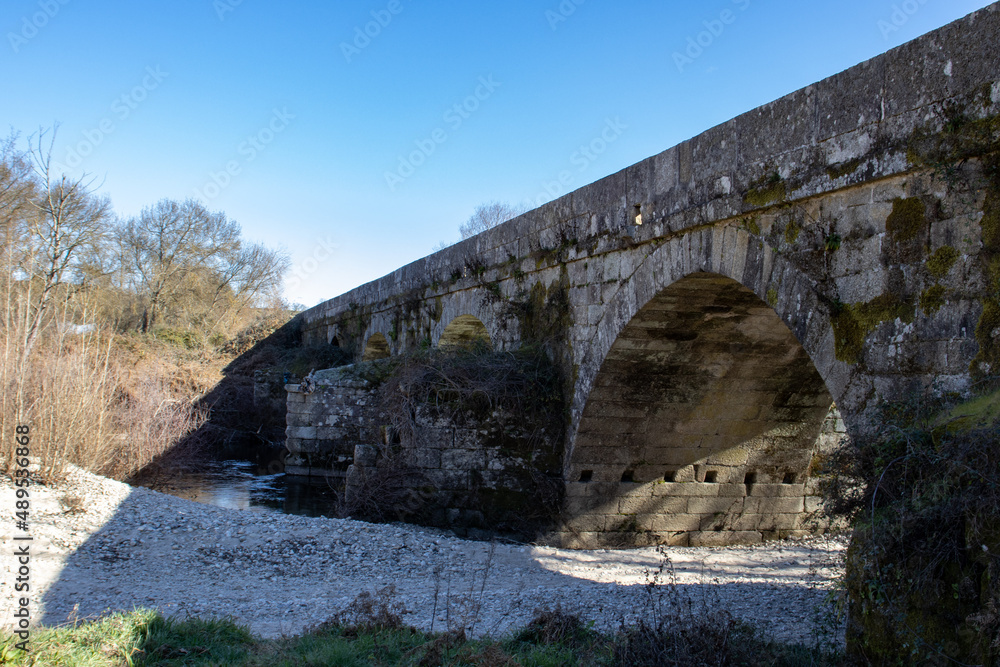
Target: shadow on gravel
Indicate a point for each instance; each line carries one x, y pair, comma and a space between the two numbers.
280, 574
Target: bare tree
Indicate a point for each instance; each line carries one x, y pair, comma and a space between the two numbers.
17, 188
489, 215
68, 220
175, 249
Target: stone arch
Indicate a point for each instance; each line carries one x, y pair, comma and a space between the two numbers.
704, 410
744, 258
464, 331
376, 347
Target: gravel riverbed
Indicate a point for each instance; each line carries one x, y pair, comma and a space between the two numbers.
99, 545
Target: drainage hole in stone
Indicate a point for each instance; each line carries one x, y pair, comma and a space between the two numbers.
789, 478
586, 475
628, 476
670, 476
711, 477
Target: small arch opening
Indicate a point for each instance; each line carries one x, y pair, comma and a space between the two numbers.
712, 477
628, 476
377, 347
465, 332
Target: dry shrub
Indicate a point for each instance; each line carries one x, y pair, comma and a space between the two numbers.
522, 387
554, 626
381, 610
84, 405
388, 492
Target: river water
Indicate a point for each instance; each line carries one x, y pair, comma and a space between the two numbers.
242, 484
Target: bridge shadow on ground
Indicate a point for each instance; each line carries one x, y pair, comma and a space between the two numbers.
281, 574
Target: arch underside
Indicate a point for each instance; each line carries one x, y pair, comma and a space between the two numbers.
377, 347
701, 426
464, 331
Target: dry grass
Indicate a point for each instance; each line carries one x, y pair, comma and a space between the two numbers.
97, 399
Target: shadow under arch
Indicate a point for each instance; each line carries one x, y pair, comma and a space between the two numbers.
376, 347
700, 426
465, 331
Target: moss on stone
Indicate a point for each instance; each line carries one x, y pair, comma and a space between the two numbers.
767, 191
940, 263
853, 322
907, 220
987, 359
752, 225
840, 169
792, 231
772, 297
931, 299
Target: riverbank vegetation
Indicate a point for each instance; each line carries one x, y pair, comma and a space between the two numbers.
376, 636
114, 329
923, 568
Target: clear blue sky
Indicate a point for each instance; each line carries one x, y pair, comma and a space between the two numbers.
309, 114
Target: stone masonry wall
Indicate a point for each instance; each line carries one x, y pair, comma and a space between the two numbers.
451, 469
328, 414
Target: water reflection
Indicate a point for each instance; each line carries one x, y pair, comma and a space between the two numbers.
241, 484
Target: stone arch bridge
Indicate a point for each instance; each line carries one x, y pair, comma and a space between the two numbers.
723, 309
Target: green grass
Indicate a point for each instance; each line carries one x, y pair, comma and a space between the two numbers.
145, 638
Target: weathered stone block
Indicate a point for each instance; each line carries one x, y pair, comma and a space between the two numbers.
463, 459
755, 505
714, 505
593, 523
725, 538
652, 505
301, 432
686, 489
365, 455
677, 522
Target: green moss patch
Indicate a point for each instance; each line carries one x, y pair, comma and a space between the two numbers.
853, 322
931, 299
907, 220
792, 231
940, 263
841, 169
767, 191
